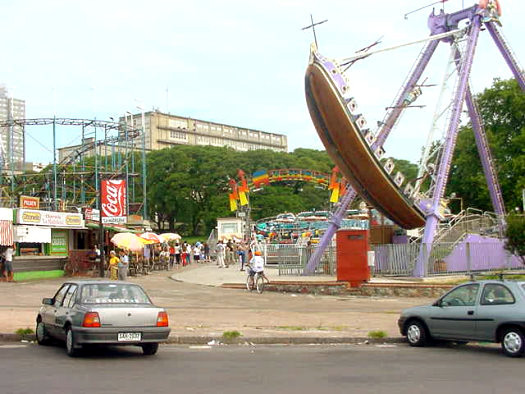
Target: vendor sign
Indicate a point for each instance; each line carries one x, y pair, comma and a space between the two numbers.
48, 218
27, 202
113, 198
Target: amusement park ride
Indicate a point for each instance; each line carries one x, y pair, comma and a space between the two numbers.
73, 182
358, 151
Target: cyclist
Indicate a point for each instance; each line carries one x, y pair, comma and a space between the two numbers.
256, 264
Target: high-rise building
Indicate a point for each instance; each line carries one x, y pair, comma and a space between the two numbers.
12, 137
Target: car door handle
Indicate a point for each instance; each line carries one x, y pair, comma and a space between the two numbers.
470, 312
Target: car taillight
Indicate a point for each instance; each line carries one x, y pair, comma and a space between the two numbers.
162, 319
91, 319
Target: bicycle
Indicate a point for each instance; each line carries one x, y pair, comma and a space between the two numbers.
256, 281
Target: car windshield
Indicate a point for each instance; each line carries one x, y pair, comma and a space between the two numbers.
118, 293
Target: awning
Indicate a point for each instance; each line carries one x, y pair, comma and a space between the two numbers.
112, 228
6, 232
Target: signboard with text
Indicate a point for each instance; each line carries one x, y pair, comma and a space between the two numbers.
48, 218
27, 202
92, 214
59, 241
113, 199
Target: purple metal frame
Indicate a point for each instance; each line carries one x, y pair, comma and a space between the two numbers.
463, 94
395, 112
439, 24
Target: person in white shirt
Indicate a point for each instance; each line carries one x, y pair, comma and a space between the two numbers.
256, 263
188, 253
8, 264
220, 249
123, 265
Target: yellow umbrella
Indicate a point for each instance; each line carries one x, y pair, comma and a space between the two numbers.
128, 241
170, 237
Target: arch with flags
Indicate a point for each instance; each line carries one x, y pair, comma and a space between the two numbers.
240, 188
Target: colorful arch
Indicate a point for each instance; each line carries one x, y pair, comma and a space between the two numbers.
239, 189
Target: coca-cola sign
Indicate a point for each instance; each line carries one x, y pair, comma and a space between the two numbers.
113, 201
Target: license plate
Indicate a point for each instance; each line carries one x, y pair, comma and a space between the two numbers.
129, 336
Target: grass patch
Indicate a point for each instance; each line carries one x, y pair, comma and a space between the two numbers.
231, 334
292, 328
23, 332
377, 334
334, 328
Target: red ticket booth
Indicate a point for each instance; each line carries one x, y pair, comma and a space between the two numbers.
352, 256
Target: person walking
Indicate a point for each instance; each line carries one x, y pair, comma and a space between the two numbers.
188, 253
8, 263
113, 265
123, 265
220, 249
172, 255
206, 248
242, 251
177, 253
196, 253
183, 254
230, 253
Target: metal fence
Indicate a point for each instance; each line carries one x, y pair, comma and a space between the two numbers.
291, 259
400, 259
444, 258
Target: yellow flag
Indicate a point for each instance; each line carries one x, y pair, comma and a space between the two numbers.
242, 198
335, 194
233, 204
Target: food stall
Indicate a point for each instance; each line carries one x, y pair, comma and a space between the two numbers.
43, 240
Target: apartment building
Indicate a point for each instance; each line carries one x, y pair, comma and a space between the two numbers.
165, 130
12, 137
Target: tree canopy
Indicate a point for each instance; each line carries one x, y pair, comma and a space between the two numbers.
502, 109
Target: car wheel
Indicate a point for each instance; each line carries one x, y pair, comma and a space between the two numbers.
149, 349
42, 337
513, 342
71, 347
416, 334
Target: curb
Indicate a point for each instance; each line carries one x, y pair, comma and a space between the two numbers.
204, 340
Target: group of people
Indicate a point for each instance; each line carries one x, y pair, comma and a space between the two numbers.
184, 253
247, 255
118, 265
230, 252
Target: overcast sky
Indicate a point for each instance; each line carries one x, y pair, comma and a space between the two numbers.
235, 62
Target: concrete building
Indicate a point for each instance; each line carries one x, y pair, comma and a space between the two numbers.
12, 138
165, 130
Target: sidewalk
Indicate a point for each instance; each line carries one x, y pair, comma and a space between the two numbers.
199, 310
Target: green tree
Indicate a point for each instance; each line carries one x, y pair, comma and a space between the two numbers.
515, 234
502, 109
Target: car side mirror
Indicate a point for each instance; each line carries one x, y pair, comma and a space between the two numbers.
437, 303
47, 301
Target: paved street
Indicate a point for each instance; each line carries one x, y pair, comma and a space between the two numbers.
200, 310
261, 369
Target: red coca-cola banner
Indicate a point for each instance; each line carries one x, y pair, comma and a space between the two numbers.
113, 201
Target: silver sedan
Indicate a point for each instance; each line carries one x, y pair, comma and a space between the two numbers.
101, 312
488, 311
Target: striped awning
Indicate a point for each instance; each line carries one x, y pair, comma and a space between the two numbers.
6, 232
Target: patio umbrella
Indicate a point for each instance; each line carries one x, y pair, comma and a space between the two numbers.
128, 241
170, 237
151, 238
